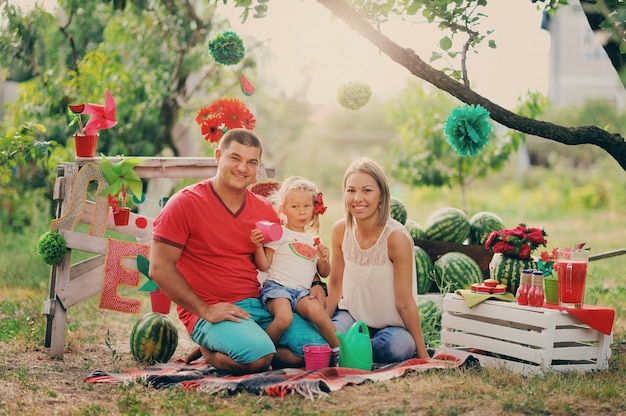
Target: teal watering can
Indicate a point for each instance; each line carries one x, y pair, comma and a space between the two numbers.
356, 347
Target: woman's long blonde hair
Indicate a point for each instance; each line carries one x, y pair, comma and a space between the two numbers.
370, 167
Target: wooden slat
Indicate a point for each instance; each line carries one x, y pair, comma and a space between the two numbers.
173, 167
82, 287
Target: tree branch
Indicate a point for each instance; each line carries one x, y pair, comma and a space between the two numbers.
612, 143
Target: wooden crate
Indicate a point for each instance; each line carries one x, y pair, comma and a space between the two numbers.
522, 339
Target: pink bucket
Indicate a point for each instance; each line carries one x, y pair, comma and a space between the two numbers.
316, 356
271, 230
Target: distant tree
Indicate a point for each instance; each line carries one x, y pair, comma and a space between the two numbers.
151, 55
421, 155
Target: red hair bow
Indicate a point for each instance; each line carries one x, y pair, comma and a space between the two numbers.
319, 204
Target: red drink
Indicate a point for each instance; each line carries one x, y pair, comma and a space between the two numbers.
572, 275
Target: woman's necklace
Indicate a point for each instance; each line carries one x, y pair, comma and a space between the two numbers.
366, 242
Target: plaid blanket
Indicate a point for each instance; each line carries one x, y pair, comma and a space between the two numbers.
310, 384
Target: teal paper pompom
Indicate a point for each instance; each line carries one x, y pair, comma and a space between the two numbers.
468, 128
353, 95
227, 48
51, 247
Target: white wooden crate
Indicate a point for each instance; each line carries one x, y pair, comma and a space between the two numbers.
522, 339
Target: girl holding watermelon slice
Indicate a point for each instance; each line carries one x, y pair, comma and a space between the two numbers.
294, 261
373, 278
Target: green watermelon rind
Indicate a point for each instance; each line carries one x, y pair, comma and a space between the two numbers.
481, 224
424, 269
430, 317
455, 270
153, 339
447, 224
415, 229
303, 250
507, 271
398, 210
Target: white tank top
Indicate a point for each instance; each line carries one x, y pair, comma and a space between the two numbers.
368, 289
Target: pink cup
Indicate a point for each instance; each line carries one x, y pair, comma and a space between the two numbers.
316, 356
160, 302
271, 230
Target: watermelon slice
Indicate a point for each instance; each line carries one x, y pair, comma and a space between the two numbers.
303, 250
77, 108
247, 87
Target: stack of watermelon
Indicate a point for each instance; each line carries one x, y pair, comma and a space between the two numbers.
452, 225
449, 271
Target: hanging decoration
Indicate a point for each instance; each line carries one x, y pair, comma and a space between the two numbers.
468, 128
51, 247
353, 95
247, 87
227, 48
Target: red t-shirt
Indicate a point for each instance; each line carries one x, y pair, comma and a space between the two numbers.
217, 256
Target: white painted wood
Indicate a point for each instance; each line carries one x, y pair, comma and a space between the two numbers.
522, 339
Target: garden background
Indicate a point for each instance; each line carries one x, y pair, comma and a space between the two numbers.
576, 194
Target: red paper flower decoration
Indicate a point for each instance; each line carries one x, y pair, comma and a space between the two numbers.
318, 203
223, 115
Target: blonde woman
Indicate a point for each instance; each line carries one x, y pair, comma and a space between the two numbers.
373, 275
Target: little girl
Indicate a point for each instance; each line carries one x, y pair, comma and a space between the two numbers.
293, 261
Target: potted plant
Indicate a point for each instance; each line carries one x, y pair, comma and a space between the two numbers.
101, 117
513, 253
122, 180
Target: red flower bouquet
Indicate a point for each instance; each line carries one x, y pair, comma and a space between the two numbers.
517, 243
224, 114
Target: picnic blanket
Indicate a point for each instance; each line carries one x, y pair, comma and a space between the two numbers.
310, 384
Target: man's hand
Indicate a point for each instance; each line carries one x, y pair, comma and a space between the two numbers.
225, 312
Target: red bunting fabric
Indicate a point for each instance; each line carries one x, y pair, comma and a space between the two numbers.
310, 384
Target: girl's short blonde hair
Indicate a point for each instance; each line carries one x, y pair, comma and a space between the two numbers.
296, 183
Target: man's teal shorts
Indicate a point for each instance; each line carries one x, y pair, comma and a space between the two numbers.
247, 341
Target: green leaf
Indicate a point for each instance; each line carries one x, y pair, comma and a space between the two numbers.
435, 56
445, 43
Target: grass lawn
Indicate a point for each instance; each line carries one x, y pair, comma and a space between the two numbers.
32, 383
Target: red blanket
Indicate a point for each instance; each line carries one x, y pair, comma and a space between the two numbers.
310, 384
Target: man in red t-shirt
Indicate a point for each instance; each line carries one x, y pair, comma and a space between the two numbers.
201, 257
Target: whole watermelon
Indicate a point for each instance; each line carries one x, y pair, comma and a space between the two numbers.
416, 230
424, 268
481, 224
507, 270
430, 318
455, 270
153, 339
447, 224
398, 210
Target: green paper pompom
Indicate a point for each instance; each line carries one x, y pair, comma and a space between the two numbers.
353, 95
468, 128
227, 48
51, 247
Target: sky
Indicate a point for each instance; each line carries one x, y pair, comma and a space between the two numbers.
310, 47
304, 36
